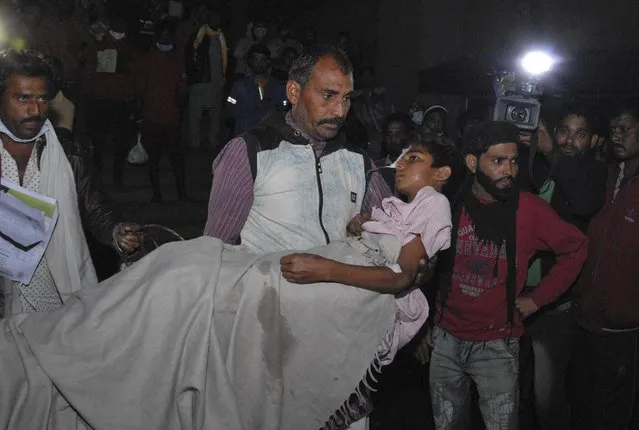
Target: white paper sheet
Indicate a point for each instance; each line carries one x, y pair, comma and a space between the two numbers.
27, 220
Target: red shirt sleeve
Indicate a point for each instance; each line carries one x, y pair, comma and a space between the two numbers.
568, 244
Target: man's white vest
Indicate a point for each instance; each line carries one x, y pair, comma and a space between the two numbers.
301, 201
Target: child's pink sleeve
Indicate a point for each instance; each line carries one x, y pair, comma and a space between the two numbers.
432, 221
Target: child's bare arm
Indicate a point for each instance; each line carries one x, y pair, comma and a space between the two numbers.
308, 268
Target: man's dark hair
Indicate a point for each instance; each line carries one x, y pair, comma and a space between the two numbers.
444, 153
303, 65
202, 14
466, 117
577, 110
23, 63
258, 48
629, 106
402, 118
483, 136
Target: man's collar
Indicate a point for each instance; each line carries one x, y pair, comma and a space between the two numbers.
313, 142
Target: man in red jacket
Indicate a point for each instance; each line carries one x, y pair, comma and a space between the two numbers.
110, 90
605, 359
162, 90
480, 305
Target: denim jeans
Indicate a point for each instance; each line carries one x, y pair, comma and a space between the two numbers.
492, 365
551, 334
604, 380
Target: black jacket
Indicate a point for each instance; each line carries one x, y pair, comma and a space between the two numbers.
96, 209
580, 184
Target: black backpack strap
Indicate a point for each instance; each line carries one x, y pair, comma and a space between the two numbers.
368, 169
260, 139
252, 148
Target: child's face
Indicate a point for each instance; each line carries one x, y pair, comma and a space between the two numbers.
415, 171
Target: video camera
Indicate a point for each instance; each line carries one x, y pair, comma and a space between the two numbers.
518, 94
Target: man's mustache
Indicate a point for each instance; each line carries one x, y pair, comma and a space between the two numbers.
334, 121
33, 119
506, 178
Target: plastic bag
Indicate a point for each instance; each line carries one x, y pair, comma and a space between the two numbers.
137, 155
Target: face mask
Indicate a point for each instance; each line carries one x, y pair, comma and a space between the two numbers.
116, 35
417, 117
43, 130
163, 47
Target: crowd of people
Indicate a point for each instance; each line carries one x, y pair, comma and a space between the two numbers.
501, 259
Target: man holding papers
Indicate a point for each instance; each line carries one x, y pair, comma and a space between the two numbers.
35, 163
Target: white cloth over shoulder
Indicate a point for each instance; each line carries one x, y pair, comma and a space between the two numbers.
428, 216
67, 255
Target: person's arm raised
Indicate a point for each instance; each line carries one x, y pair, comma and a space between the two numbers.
309, 268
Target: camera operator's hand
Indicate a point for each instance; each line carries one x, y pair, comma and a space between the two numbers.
542, 138
545, 143
597, 144
525, 137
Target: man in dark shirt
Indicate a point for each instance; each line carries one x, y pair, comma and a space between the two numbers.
257, 93
205, 60
566, 173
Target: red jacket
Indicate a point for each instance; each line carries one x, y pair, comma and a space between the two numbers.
117, 86
476, 305
608, 290
161, 86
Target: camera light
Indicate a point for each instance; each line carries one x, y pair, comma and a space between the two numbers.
537, 63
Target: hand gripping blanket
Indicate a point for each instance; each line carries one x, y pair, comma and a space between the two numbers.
197, 335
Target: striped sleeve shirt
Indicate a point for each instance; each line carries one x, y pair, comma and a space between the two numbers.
231, 196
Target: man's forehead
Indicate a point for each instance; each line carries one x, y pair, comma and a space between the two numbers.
626, 118
396, 125
259, 56
577, 121
327, 74
417, 148
27, 83
27, 80
508, 149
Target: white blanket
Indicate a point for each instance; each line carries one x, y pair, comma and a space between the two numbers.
197, 335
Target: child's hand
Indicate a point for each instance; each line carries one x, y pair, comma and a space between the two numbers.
426, 271
305, 268
355, 226
526, 306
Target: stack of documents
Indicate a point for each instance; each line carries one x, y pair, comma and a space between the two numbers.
27, 220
